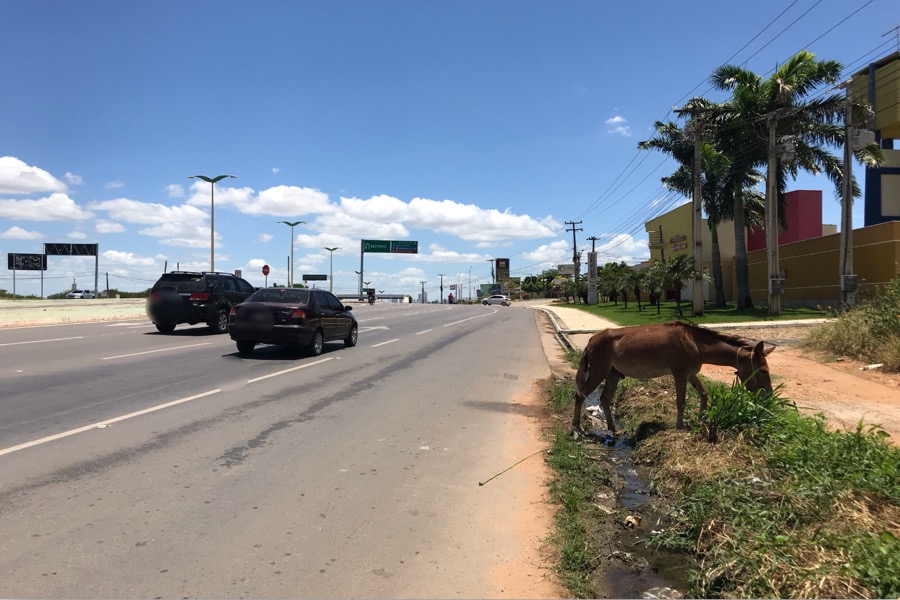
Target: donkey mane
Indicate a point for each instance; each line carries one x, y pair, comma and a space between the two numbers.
705, 332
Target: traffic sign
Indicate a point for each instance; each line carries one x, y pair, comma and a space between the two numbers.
27, 262
307, 277
265, 269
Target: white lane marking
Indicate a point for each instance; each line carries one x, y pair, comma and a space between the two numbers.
106, 423
387, 342
318, 362
128, 324
469, 319
361, 329
367, 320
152, 351
41, 341
426, 331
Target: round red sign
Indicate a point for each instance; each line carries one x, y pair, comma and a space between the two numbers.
265, 269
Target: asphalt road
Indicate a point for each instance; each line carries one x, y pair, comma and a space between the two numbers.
136, 464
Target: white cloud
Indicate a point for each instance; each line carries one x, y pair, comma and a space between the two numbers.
56, 207
17, 233
279, 201
117, 257
148, 213
114, 185
76, 235
16, 177
276, 170
183, 235
264, 238
73, 179
108, 227
466, 221
175, 190
618, 125
552, 254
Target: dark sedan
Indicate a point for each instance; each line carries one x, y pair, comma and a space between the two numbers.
295, 317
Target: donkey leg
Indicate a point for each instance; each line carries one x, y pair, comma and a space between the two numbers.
680, 393
606, 397
701, 391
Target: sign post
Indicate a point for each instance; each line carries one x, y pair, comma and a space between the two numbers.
384, 246
265, 271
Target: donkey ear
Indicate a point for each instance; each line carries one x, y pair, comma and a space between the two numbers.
761, 349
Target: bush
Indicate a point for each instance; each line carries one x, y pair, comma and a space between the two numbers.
869, 332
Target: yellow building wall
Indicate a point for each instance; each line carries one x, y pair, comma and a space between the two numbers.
678, 239
812, 267
887, 90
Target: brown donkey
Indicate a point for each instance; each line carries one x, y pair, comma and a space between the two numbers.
649, 351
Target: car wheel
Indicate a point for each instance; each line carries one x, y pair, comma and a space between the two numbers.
485, 302
245, 347
220, 325
351, 338
317, 344
165, 327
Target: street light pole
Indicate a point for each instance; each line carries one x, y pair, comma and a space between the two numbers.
212, 213
331, 269
291, 224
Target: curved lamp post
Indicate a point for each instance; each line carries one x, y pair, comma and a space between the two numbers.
212, 213
331, 269
291, 224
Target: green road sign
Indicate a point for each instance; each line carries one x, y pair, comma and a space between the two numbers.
397, 247
405, 247
376, 246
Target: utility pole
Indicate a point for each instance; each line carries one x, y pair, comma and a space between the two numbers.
775, 280
695, 129
848, 295
493, 279
593, 239
575, 254
423, 292
592, 272
697, 224
441, 275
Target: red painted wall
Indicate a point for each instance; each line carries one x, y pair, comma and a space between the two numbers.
804, 220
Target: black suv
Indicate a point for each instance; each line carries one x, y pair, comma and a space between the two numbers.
190, 297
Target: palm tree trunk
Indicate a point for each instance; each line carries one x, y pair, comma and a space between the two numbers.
717, 264
741, 266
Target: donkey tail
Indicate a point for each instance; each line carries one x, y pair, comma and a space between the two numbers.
581, 376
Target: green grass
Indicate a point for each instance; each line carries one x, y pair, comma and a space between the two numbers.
813, 513
574, 487
618, 314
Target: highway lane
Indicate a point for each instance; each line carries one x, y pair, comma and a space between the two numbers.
59, 378
353, 473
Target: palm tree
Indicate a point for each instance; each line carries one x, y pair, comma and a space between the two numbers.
717, 194
785, 99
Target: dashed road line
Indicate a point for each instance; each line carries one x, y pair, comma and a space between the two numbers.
154, 351
261, 377
387, 342
80, 337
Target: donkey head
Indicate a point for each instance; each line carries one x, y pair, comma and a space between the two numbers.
753, 370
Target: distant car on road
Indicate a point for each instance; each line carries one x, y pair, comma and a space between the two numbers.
497, 299
301, 318
81, 294
192, 297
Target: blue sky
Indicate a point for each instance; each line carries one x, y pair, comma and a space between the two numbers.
475, 128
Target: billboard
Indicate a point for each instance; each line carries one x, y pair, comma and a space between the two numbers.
27, 262
502, 268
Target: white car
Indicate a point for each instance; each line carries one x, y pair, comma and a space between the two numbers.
496, 299
80, 294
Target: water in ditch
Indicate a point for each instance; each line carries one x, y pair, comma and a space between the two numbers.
637, 569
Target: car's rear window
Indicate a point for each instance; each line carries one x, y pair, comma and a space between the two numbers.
280, 295
180, 282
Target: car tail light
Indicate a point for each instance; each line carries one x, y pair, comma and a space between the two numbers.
202, 296
298, 314
154, 295
233, 311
